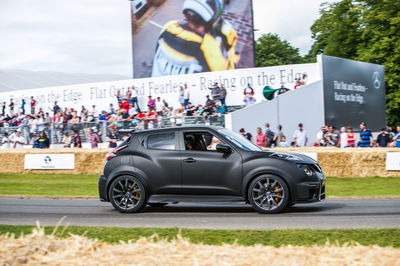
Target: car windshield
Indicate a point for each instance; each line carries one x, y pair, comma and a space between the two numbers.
239, 140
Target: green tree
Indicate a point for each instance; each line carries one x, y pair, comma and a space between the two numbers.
272, 51
365, 30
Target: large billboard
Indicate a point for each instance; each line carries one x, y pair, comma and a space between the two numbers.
354, 92
174, 37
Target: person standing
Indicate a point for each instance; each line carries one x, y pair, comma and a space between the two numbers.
261, 138
94, 139
3, 109
56, 107
159, 106
245, 134
128, 95
66, 140
383, 138
182, 96
151, 104
23, 102
396, 137
76, 140
11, 107
135, 97
186, 95
365, 136
335, 135
278, 136
5, 142
33, 105
270, 135
300, 136
321, 136
43, 141
112, 138
343, 138
18, 140
224, 93
215, 92
351, 137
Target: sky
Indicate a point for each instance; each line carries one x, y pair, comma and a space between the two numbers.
94, 36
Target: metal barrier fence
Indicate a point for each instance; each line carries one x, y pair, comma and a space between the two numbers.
55, 131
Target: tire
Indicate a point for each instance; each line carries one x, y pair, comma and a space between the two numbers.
127, 194
157, 204
268, 194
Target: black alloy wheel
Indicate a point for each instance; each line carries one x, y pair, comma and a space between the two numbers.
268, 194
127, 194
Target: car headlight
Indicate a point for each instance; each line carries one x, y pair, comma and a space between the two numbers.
308, 170
286, 156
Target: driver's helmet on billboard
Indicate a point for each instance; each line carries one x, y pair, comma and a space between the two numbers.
205, 12
202, 42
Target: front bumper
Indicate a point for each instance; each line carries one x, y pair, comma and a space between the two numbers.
311, 191
102, 188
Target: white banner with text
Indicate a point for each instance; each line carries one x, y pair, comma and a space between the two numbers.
49, 161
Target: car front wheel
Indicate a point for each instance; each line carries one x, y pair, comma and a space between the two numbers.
127, 194
268, 194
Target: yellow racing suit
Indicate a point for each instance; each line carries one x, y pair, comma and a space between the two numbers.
182, 51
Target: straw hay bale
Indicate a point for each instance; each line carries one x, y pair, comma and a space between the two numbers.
38, 249
87, 161
349, 162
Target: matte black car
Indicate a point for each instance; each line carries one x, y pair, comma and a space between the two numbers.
206, 164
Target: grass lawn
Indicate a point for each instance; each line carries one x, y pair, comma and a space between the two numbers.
363, 187
48, 184
300, 237
86, 185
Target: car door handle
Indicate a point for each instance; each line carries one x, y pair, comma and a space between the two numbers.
189, 160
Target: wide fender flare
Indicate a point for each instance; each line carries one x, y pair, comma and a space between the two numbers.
268, 170
128, 170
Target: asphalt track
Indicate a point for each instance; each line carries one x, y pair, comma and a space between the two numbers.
334, 213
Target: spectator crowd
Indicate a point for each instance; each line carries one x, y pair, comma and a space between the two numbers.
328, 136
66, 125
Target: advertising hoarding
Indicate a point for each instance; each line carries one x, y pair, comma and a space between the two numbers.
354, 92
102, 94
191, 36
49, 161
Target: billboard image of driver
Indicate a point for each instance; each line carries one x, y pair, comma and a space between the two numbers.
202, 41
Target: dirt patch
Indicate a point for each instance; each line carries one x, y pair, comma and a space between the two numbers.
40, 249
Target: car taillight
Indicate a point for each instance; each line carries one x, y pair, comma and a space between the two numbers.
113, 153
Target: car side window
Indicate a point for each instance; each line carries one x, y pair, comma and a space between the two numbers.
164, 141
200, 141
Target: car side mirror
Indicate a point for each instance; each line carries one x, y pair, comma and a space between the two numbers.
224, 148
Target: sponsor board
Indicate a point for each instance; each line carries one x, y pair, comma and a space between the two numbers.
102, 94
354, 92
226, 42
393, 161
49, 161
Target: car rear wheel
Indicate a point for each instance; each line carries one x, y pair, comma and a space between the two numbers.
268, 194
127, 194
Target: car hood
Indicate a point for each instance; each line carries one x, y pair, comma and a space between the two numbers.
288, 156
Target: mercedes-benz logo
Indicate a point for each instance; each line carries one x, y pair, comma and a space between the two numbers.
47, 160
376, 79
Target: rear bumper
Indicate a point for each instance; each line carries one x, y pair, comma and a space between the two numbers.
102, 188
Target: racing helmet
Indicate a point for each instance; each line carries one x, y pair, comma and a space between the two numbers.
205, 11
